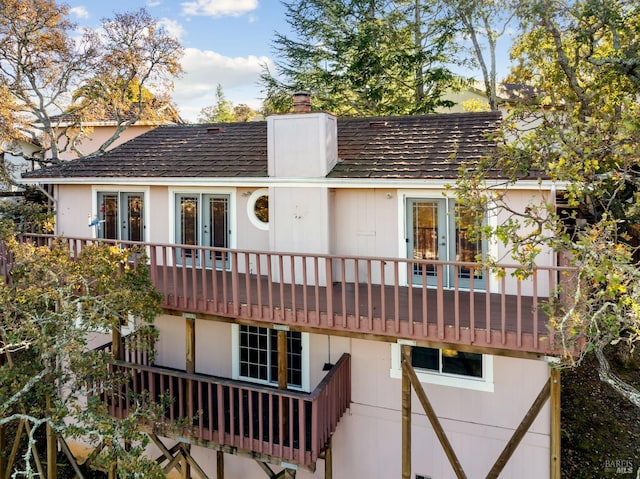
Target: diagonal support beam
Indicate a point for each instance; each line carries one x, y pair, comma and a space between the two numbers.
520, 431
166, 453
407, 369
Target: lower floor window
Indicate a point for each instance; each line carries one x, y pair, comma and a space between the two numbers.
447, 361
447, 367
258, 356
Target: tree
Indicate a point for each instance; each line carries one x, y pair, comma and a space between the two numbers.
220, 112
50, 303
243, 112
477, 20
362, 57
582, 57
56, 82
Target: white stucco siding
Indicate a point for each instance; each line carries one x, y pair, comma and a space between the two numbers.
367, 442
74, 206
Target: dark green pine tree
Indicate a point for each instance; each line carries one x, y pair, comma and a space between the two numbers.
362, 57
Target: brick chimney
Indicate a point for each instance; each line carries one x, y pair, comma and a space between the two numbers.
302, 102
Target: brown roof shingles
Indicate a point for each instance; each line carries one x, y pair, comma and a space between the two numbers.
404, 147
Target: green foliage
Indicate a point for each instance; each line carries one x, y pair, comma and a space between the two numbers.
364, 57
50, 70
53, 302
25, 216
583, 133
220, 112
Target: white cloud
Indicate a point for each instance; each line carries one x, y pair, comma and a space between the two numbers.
204, 69
218, 8
173, 28
153, 3
80, 12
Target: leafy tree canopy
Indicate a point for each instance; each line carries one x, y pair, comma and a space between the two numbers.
362, 57
54, 82
50, 305
583, 133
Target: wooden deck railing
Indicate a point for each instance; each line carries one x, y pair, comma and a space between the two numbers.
372, 296
288, 425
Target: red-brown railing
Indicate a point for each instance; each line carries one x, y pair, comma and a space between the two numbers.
384, 297
287, 425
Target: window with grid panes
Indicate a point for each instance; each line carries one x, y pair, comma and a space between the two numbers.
258, 355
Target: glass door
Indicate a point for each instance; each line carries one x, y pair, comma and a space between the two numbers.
438, 231
202, 220
426, 236
121, 216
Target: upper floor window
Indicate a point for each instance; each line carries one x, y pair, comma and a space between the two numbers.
438, 230
447, 367
120, 215
202, 220
258, 208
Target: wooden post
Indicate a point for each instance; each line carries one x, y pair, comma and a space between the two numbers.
185, 466
283, 383
406, 415
555, 423
116, 344
3, 451
328, 461
282, 360
219, 465
190, 326
190, 367
52, 447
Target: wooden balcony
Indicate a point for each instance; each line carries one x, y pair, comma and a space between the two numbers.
237, 416
377, 298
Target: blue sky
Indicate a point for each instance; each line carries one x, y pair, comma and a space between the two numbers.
225, 43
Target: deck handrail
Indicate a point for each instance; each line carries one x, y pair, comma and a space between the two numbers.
293, 426
386, 297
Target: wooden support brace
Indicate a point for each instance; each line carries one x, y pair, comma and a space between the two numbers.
193, 464
186, 467
406, 414
555, 423
64, 447
14, 449
3, 447
166, 453
52, 446
267, 470
220, 465
328, 461
408, 370
520, 431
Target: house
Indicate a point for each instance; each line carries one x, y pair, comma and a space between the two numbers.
323, 316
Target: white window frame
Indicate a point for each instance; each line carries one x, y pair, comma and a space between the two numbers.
95, 189
235, 361
233, 222
251, 205
485, 383
436, 194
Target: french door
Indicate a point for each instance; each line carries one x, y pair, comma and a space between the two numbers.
438, 230
202, 220
121, 215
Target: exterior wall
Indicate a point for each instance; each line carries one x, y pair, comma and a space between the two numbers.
367, 442
100, 134
72, 208
299, 219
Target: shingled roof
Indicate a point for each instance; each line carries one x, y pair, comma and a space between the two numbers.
402, 147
